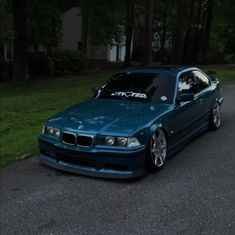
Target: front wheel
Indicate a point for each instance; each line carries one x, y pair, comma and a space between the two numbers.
215, 118
157, 150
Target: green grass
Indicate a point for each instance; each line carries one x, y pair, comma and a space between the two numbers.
24, 110
223, 73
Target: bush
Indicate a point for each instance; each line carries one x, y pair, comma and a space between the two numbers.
41, 64
68, 61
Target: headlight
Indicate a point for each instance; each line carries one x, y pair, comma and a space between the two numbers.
48, 130
109, 140
133, 142
122, 141
129, 142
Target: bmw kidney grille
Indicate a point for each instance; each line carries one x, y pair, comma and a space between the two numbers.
80, 140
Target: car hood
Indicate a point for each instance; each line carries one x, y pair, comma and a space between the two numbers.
108, 116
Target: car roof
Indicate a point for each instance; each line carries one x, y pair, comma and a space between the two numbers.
173, 70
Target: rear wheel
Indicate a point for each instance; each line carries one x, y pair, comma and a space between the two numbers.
215, 118
157, 150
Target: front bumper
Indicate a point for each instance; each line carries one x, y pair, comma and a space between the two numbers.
107, 164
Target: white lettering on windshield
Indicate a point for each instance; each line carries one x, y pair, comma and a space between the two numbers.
130, 94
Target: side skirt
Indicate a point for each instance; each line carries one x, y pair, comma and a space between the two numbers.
180, 144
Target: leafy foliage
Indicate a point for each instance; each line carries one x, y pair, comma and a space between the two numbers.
69, 61
223, 40
44, 24
105, 19
2, 8
5, 32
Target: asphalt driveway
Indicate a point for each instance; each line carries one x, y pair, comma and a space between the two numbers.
193, 194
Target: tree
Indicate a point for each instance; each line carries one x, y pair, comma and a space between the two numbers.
20, 63
6, 33
208, 28
44, 24
162, 28
148, 32
129, 28
104, 21
35, 22
178, 31
2, 14
186, 53
222, 40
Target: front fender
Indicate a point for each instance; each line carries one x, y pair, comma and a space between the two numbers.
156, 126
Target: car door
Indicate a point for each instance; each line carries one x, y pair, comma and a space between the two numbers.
204, 96
182, 121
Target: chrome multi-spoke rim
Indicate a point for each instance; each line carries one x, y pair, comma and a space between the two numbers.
158, 148
216, 115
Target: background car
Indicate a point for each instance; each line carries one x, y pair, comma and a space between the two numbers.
134, 122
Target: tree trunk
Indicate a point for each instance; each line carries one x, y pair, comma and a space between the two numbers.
179, 27
201, 33
129, 31
163, 38
20, 62
208, 27
197, 38
186, 58
36, 49
147, 59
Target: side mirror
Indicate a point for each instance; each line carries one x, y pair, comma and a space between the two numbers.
186, 97
95, 90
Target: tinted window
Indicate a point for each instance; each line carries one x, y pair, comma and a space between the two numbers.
187, 83
140, 87
202, 80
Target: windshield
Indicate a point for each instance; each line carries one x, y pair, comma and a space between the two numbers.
158, 88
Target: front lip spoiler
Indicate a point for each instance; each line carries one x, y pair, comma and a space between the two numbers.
89, 171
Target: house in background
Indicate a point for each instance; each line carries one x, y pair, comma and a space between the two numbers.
72, 40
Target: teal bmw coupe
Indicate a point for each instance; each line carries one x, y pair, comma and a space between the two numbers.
133, 123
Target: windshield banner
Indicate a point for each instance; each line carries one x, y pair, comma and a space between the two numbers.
129, 94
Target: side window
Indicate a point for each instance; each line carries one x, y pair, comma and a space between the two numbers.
187, 83
202, 80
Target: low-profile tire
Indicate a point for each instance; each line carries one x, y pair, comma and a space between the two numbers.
215, 117
157, 151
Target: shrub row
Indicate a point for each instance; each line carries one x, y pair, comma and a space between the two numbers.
62, 62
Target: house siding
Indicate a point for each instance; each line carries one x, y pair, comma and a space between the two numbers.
72, 29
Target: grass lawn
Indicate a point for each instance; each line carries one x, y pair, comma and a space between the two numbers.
24, 110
